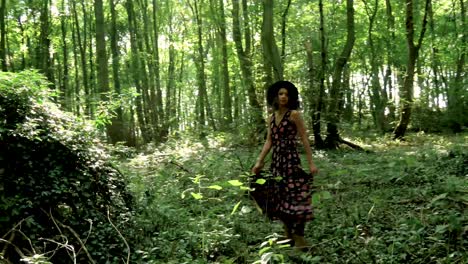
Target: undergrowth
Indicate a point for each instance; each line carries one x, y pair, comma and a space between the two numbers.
400, 202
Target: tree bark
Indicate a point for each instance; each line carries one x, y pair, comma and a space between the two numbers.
84, 68
246, 64
378, 99
413, 50
271, 55
159, 116
3, 51
227, 98
135, 65
284, 18
390, 61
44, 59
64, 82
117, 131
333, 138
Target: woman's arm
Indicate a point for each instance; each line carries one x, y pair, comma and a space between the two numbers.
266, 148
301, 130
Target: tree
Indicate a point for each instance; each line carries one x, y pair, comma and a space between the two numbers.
413, 52
245, 60
333, 138
271, 56
3, 52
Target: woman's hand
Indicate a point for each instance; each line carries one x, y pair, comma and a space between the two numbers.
313, 169
257, 168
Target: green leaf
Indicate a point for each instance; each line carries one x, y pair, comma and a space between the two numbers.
235, 182
438, 197
260, 181
197, 196
235, 207
215, 187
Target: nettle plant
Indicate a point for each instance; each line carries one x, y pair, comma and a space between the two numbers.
60, 198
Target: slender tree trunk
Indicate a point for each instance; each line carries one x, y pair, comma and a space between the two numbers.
84, 68
271, 55
246, 64
170, 86
3, 51
317, 114
283, 30
312, 95
435, 92
102, 67
333, 139
390, 61
456, 102
157, 76
44, 59
413, 50
93, 92
227, 98
135, 64
377, 98
64, 89
150, 90
76, 98
117, 131
202, 100
23, 43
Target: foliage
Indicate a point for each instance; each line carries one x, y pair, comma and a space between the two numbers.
404, 202
60, 196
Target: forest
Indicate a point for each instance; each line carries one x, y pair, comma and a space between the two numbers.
128, 129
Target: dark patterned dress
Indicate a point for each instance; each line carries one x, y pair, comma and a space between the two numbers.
286, 195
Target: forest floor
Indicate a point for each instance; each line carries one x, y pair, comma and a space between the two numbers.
399, 202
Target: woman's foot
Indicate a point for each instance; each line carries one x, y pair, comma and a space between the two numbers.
300, 243
288, 235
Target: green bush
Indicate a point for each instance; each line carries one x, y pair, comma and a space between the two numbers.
60, 197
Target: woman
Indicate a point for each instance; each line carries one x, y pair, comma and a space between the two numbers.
288, 199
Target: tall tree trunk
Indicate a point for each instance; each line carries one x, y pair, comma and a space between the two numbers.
76, 89
271, 55
117, 130
102, 67
135, 64
317, 112
84, 68
284, 18
456, 102
150, 89
413, 50
64, 90
333, 139
227, 98
44, 59
3, 51
312, 97
435, 92
93, 92
390, 61
170, 87
377, 95
159, 117
202, 98
246, 63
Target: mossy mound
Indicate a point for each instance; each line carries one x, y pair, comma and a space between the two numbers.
60, 198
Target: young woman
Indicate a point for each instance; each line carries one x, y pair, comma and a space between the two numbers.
289, 198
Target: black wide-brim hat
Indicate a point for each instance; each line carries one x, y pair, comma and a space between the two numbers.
272, 91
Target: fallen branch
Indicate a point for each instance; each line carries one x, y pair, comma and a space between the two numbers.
120, 234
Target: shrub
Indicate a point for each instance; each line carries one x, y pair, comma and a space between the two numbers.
59, 195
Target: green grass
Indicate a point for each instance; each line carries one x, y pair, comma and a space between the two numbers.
401, 202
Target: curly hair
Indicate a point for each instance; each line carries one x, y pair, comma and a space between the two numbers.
293, 94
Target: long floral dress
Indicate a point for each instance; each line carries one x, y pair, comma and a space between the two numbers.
287, 194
